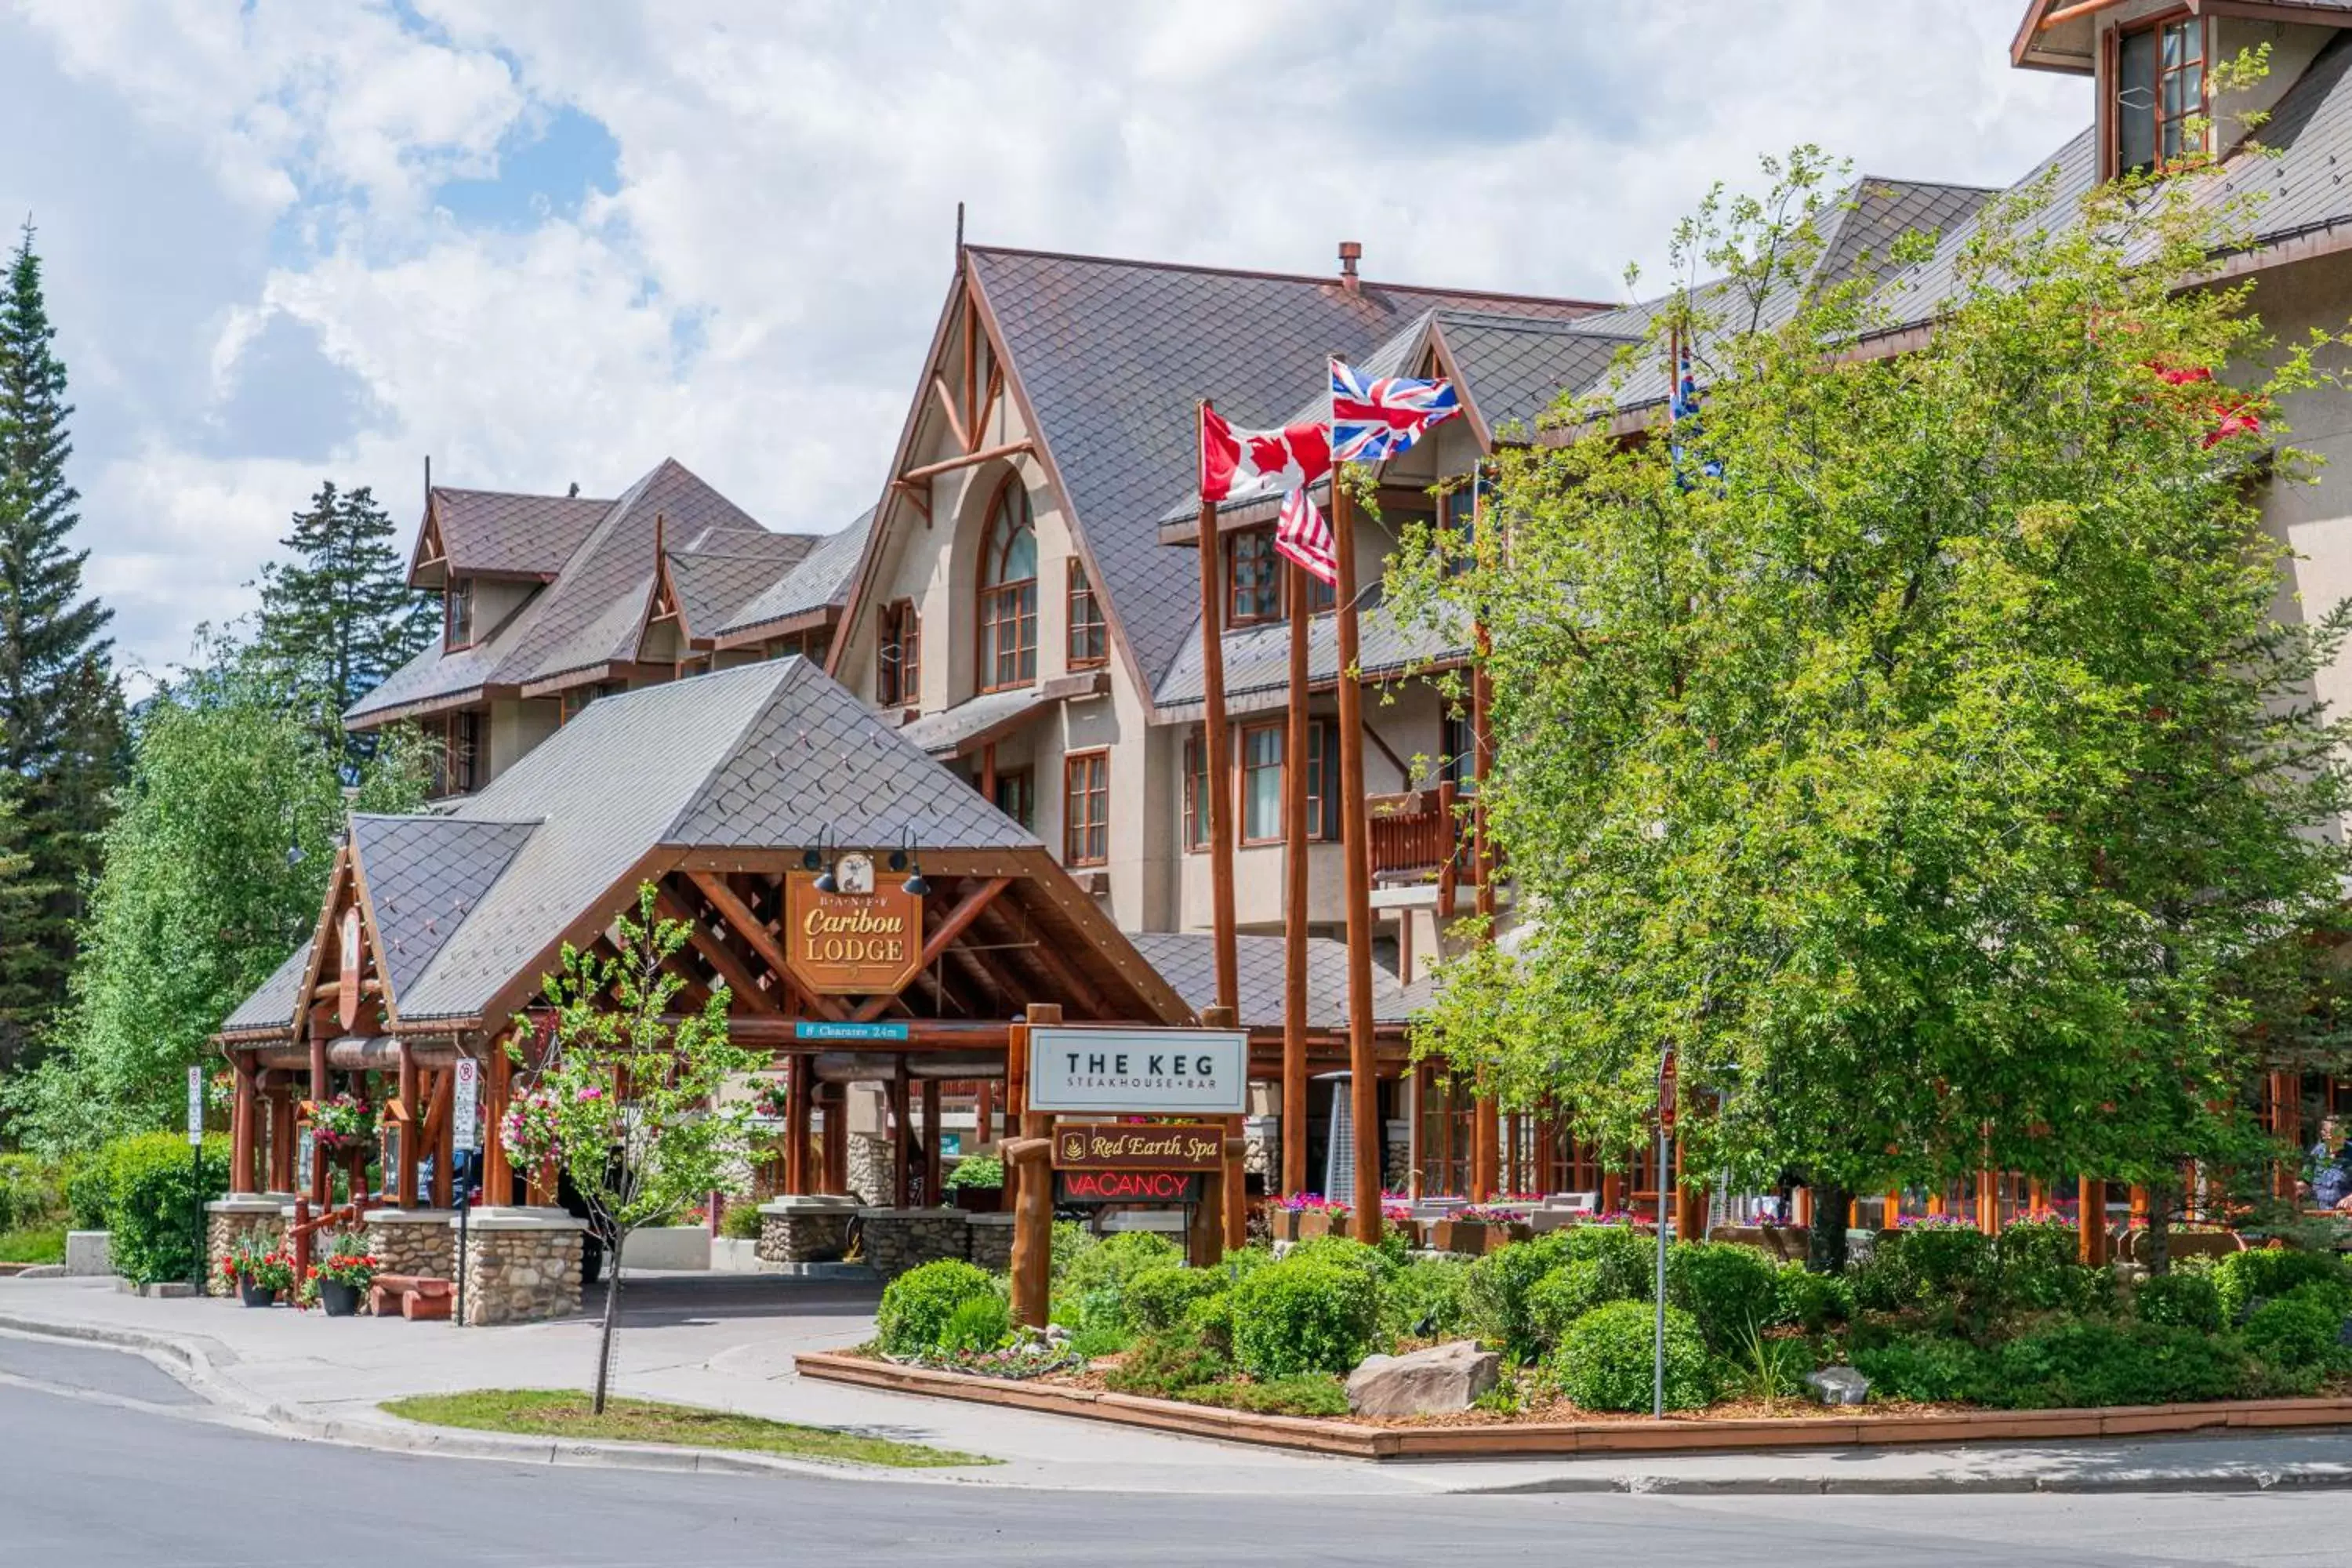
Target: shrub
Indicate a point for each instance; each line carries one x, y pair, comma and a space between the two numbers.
1494, 1293
2035, 1265
1163, 1365
2179, 1302
1604, 1360
1932, 1368
155, 1187
32, 1192
1375, 1261
1812, 1302
742, 1221
2298, 1332
1212, 1318
1303, 1394
1931, 1263
977, 1171
978, 1324
2246, 1277
87, 1181
2094, 1363
1731, 1291
917, 1305
1157, 1300
1557, 1300
1072, 1241
45, 1244
1423, 1299
1116, 1259
1304, 1316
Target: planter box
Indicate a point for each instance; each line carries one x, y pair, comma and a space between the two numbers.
667, 1247
1284, 1222
1313, 1223
1476, 1238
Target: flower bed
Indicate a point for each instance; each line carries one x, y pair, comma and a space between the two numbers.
1958, 1334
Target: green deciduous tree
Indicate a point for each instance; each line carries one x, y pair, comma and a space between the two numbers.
624, 1098
1915, 746
60, 710
340, 617
202, 895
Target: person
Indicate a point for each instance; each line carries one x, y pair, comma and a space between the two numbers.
2330, 1166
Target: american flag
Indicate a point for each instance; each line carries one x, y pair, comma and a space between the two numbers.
1302, 533
1374, 420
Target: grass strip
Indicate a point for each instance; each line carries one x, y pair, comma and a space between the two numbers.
564, 1413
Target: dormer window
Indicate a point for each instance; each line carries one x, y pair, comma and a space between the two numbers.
457, 613
2159, 90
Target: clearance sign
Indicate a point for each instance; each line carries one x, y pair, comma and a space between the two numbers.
862, 941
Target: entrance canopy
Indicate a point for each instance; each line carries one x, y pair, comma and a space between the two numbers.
729, 792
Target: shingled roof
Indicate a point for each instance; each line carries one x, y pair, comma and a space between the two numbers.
819, 581
504, 533
1110, 354
1187, 959
592, 613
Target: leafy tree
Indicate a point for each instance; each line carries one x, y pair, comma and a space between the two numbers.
340, 615
1914, 747
202, 896
61, 712
624, 1099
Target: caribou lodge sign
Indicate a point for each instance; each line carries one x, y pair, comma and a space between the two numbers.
861, 939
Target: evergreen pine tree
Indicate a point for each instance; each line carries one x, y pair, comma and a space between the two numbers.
340, 615
60, 710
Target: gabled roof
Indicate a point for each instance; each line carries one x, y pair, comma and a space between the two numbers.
590, 616
1110, 356
819, 583
423, 876
271, 1006
501, 533
726, 569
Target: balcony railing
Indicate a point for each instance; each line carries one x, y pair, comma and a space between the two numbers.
1413, 836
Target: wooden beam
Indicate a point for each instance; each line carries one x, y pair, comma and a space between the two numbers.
942, 937
947, 407
922, 472
728, 964
1060, 972
757, 938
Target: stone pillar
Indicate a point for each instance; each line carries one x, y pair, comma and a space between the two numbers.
415, 1242
522, 1265
873, 1167
989, 1237
229, 1221
805, 1230
900, 1239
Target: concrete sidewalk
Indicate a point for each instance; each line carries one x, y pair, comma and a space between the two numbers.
727, 1342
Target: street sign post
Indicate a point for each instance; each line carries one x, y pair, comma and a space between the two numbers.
465, 1138
196, 1167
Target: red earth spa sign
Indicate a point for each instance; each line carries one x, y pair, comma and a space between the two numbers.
1139, 1072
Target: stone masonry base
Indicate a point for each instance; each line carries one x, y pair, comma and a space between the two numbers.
416, 1242
900, 1239
229, 1221
522, 1265
805, 1229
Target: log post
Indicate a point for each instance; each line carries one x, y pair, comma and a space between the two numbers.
799, 1073
834, 1150
498, 1177
1033, 1217
1297, 832
412, 1127
243, 1177
2091, 1220
932, 1193
1363, 1068
902, 1124
283, 1174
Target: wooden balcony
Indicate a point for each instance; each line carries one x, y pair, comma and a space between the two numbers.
1413, 836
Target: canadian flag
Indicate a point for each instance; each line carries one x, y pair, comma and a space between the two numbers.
1237, 463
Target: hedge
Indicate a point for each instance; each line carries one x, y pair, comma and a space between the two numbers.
155, 1186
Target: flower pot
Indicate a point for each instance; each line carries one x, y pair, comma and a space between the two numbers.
339, 1299
1283, 1224
254, 1295
978, 1199
1470, 1237
1313, 1223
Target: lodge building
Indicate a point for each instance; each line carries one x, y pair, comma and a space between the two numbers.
997, 672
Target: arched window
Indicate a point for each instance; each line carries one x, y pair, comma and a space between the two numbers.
1008, 590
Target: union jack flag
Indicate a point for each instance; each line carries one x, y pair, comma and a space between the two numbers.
1372, 421
1302, 533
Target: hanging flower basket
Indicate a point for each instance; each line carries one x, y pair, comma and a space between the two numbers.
343, 1124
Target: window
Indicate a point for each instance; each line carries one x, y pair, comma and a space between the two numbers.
1252, 578
1008, 592
457, 613
1261, 763
1462, 511
1196, 791
2159, 77
1086, 808
1089, 637
1460, 748
578, 697
1323, 780
899, 656
1016, 796
457, 770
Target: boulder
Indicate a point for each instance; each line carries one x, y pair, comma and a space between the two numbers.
1434, 1382
1838, 1386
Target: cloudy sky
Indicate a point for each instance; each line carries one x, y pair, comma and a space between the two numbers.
555, 240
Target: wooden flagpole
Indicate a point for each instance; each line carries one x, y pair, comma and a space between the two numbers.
1215, 741
1363, 1085
1296, 830
1486, 1177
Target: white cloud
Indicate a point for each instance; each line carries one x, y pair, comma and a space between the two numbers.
754, 294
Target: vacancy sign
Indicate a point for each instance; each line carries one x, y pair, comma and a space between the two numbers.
1139, 1072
